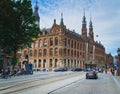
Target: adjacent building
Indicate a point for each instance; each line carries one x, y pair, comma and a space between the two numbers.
109, 60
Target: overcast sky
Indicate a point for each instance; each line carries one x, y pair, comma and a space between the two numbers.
105, 17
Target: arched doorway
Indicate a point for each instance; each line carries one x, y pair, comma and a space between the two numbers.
44, 63
55, 64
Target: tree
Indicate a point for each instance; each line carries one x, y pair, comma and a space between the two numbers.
17, 26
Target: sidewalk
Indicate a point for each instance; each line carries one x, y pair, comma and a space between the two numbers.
117, 80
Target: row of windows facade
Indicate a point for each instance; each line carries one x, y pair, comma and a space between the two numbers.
54, 52
43, 63
58, 41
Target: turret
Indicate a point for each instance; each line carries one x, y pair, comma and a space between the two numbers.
36, 14
84, 29
91, 33
61, 21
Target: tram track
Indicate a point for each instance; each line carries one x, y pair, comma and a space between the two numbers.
30, 84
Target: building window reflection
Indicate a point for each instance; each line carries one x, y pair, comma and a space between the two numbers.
45, 42
40, 52
50, 63
56, 51
31, 53
39, 63
51, 41
35, 53
56, 41
45, 52
55, 63
44, 63
51, 52
65, 42
40, 43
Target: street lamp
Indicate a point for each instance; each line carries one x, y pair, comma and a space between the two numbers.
118, 51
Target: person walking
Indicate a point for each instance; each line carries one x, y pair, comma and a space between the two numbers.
106, 71
115, 71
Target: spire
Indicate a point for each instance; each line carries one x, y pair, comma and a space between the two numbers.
61, 22
36, 14
84, 18
90, 23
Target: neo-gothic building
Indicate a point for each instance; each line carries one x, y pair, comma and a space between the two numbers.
60, 47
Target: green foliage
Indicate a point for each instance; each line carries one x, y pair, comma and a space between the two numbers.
17, 25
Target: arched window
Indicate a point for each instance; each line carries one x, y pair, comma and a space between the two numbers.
51, 41
25, 53
56, 51
68, 42
74, 53
72, 44
55, 63
71, 63
35, 65
68, 63
78, 45
31, 53
65, 42
32, 45
44, 63
56, 41
45, 52
39, 63
40, 52
78, 54
75, 63
35, 53
40, 43
51, 52
71, 53
64, 62
36, 43
65, 51
50, 65
68, 52
45, 42
78, 64
75, 44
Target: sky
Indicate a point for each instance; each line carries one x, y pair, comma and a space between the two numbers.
105, 16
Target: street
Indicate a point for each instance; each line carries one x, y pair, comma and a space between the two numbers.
60, 83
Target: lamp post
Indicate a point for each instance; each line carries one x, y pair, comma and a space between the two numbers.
118, 51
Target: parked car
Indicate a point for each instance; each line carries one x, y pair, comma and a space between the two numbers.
76, 69
91, 74
60, 69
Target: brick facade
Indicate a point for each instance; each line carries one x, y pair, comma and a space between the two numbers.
60, 47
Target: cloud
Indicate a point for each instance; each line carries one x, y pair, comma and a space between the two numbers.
105, 17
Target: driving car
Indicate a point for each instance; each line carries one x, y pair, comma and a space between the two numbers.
91, 74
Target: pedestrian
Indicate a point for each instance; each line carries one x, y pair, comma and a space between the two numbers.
115, 71
106, 71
